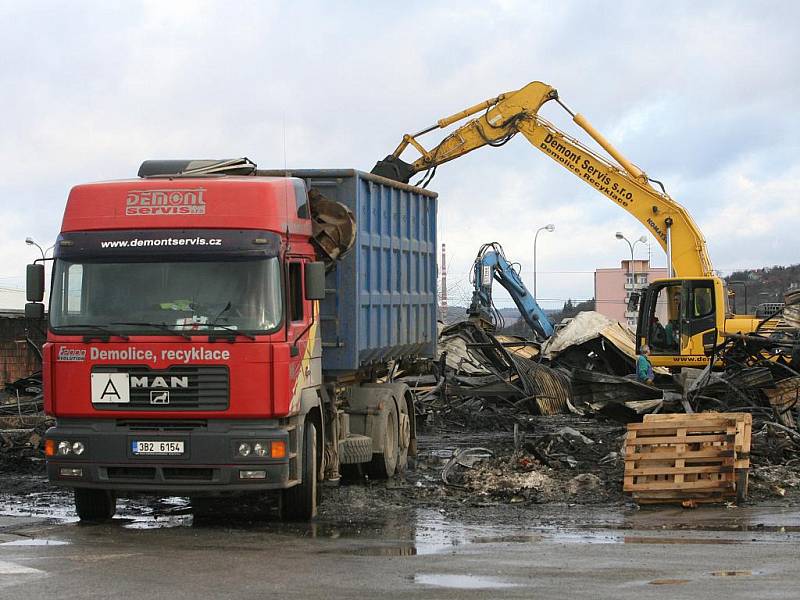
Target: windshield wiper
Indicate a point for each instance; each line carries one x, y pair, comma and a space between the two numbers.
98, 328
226, 327
234, 331
161, 326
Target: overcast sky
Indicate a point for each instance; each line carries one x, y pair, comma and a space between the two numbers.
702, 95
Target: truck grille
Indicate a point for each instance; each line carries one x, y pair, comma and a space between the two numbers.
200, 388
141, 425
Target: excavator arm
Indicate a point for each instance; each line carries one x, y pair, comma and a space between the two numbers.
623, 183
492, 265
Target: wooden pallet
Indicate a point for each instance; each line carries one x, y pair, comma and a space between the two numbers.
783, 399
688, 459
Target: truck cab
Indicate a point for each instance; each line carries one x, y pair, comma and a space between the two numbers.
182, 349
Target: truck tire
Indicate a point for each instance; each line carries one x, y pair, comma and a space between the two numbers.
299, 503
403, 435
355, 449
95, 505
384, 463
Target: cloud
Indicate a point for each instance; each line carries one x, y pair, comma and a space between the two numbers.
700, 96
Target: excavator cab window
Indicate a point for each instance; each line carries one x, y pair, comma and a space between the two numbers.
702, 301
662, 319
701, 318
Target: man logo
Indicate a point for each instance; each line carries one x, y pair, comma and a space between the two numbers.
160, 382
159, 396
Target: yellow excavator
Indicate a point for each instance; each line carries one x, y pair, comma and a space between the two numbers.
682, 318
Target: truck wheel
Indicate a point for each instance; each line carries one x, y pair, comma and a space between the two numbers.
95, 505
299, 503
404, 436
384, 464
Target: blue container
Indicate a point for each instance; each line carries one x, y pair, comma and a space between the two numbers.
381, 300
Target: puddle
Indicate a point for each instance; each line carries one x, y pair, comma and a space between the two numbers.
584, 537
399, 550
732, 573
48, 505
766, 519
628, 539
163, 513
35, 542
668, 581
462, 582
432, 533
163, 522
509, 539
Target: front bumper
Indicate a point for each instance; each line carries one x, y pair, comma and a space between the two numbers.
209, 463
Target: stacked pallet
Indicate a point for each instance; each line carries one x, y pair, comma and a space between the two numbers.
688, 459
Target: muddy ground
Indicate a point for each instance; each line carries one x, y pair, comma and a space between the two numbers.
558, 461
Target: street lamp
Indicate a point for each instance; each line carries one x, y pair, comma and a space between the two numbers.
631, 270
641, 240
549, 227
30, 242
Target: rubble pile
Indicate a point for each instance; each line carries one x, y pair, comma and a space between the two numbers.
593, 342
487, 381
491, 382
767, 388
569, 397
22, 423
482, 379
562, 458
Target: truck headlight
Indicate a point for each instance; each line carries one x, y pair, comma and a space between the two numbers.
78, 448
260, 448
244, 449
64, 448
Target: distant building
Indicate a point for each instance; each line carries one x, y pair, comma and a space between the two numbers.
613, 287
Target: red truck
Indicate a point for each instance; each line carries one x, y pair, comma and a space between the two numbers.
198, 346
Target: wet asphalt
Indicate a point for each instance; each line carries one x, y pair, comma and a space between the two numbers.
548, 551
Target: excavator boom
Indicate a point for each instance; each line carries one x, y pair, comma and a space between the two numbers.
692, 301
624, 183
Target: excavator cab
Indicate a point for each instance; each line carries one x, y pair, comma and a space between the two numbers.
679, 320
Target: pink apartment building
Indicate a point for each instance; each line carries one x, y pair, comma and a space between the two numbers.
613, 287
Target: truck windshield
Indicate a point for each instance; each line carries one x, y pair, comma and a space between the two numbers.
181, 295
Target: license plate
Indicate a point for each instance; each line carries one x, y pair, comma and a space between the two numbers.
157, 448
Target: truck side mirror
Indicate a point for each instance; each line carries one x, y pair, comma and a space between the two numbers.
34, 311
34, 282
315, 280
633, 302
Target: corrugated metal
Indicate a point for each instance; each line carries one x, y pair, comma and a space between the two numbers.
381, 301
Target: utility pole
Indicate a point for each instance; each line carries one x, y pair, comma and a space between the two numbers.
631, 267
549, 227
443, 293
